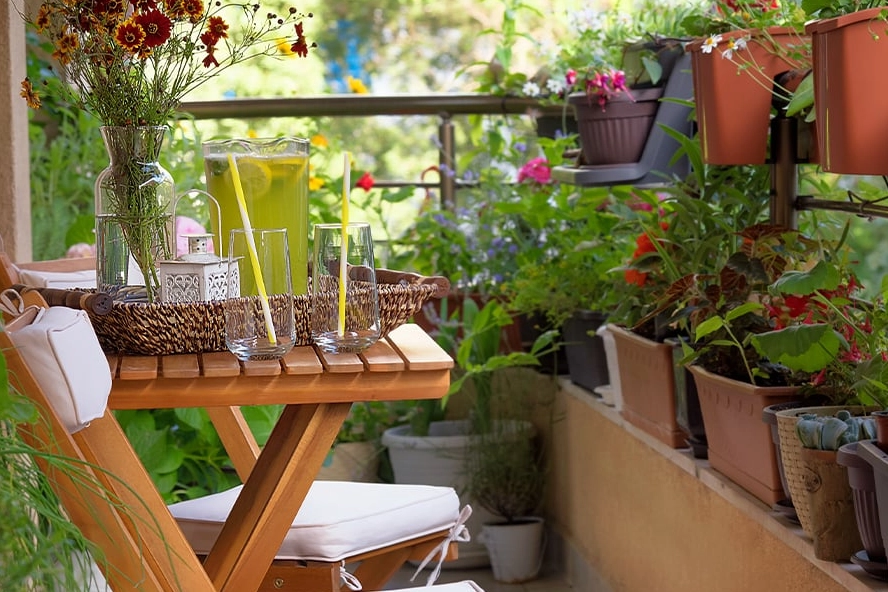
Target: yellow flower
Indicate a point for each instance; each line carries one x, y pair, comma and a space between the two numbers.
251, 133
315, 183
356, 86
320, 141
285, 47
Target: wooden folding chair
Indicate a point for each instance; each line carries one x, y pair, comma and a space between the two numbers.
144, 547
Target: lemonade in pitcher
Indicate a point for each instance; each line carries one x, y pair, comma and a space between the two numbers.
274, 177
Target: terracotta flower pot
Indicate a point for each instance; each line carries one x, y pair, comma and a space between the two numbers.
733, 99
740, 444
647, 383
850, 98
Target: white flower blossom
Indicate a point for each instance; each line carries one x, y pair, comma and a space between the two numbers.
555, 85
711, 43
531, 89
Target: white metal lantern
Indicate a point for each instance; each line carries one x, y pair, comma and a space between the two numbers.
198, 275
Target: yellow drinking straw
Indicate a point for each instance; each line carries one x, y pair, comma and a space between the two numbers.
251, 247
343, 251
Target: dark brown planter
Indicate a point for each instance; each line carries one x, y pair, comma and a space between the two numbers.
687, 404
740, 444
616, 134
866, 505
852, 123
647, 383
586, 359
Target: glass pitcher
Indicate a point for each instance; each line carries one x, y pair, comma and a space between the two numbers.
274, 177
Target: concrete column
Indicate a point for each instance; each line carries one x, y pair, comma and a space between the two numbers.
15, 187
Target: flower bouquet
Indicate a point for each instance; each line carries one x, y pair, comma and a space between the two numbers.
130, 63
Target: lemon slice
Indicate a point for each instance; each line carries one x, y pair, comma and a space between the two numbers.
255, 176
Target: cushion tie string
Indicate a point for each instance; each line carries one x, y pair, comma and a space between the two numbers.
458, 534
350, 581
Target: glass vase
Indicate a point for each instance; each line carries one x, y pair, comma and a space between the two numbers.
134, 199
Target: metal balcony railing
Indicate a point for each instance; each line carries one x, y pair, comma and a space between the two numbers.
444, 106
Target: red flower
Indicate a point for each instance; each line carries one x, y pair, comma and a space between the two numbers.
633, 276
130, 36
366, 182
218, 28
157, 27
300, 47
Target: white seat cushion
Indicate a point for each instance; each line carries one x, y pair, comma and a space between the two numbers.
464, 586
337, 520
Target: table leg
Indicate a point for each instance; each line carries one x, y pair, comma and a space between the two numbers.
272, 495
238, 440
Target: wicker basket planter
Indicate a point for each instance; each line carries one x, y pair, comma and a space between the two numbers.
791, 456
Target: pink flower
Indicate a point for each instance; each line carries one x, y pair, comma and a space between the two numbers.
536, 169
570, 78
78, 250
185, 226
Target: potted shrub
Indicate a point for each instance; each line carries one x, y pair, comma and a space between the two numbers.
691, 228
506, 475
441, 455
779, 321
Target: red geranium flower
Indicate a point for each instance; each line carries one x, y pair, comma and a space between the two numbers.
366, 182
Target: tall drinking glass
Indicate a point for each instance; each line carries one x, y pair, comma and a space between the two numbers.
344, 316
259, 321
274, 177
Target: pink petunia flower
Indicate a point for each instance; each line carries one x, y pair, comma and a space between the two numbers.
537, 170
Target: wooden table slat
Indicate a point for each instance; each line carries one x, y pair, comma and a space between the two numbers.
220, 365
302, 360
262, 368
138, 367
341, 363
418, 349
382, 357
181, 366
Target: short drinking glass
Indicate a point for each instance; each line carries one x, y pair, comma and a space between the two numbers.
344, 317
259, 323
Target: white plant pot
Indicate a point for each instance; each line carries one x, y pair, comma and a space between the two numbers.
611, 394
516, 549
440, 459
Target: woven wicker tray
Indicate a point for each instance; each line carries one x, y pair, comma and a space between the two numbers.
165, 328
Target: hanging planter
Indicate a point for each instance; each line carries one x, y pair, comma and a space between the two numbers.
850, 99
617, 133
733, 96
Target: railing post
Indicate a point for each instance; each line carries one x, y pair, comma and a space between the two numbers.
447, 161
784, 172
